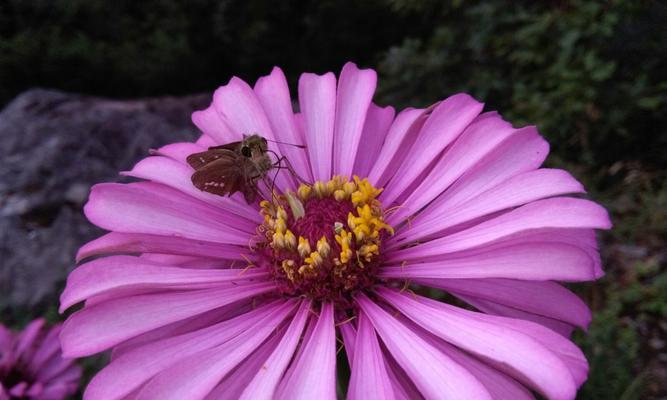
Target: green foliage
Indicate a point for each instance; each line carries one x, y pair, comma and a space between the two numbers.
576, 69
130, 48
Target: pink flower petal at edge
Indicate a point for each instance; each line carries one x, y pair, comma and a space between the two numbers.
115, 242
548, 299
103, 325
442, 127
136, 366
533, 261
317, 100
314, 375
508, 350
273, 92
27, 338
120, 272
353, 98
32, 360
369, 378
195, 376
435, 375
264, 384
155, 209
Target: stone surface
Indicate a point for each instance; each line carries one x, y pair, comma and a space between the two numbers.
53, 147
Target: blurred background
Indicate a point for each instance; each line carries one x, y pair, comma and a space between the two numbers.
87, 86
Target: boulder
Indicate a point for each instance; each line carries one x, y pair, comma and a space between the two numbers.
54, 147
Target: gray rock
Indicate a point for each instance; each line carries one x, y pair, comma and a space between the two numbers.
53, 147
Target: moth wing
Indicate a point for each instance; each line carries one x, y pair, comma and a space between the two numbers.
220, 176
200, 160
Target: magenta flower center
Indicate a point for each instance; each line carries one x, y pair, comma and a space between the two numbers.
324, 241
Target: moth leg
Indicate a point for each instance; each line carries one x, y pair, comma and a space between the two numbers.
288, 166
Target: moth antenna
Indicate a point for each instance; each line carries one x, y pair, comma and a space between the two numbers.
301, 146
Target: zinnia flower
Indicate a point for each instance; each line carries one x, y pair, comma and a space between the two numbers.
404, 220
31, 364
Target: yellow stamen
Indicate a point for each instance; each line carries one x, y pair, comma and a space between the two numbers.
315, 259
323, 247
278, 240
304, 247
290, 240
304, 192
320, 189
288, 268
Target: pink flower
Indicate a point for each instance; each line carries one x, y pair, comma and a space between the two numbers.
32, 367
203, 296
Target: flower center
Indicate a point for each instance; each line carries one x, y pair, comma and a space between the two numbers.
324, 241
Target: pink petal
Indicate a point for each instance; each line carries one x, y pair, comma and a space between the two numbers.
349, 334
559, 345
373, 135
523, 151
317, 100
518, 190
206, 141
435, 375
403, 387
548, 299
136, 366
27, 338
354, 95
509, 350
179, 151
369, 378
273, 93
476, 141
125, 243
314, 375
47, 349
179, 176
125, 272
188, 325
447, 122
210, 122
106, 324
533, 261
499, 385
156, 209
195, 376
401, 136
264, 384
492, 308
240, 110
233, 385
549, 213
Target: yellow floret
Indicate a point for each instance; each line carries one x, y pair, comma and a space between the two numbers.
304, 247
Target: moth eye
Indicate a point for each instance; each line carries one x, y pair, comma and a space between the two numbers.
245, 150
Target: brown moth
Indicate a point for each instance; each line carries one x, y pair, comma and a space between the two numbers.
232, 167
